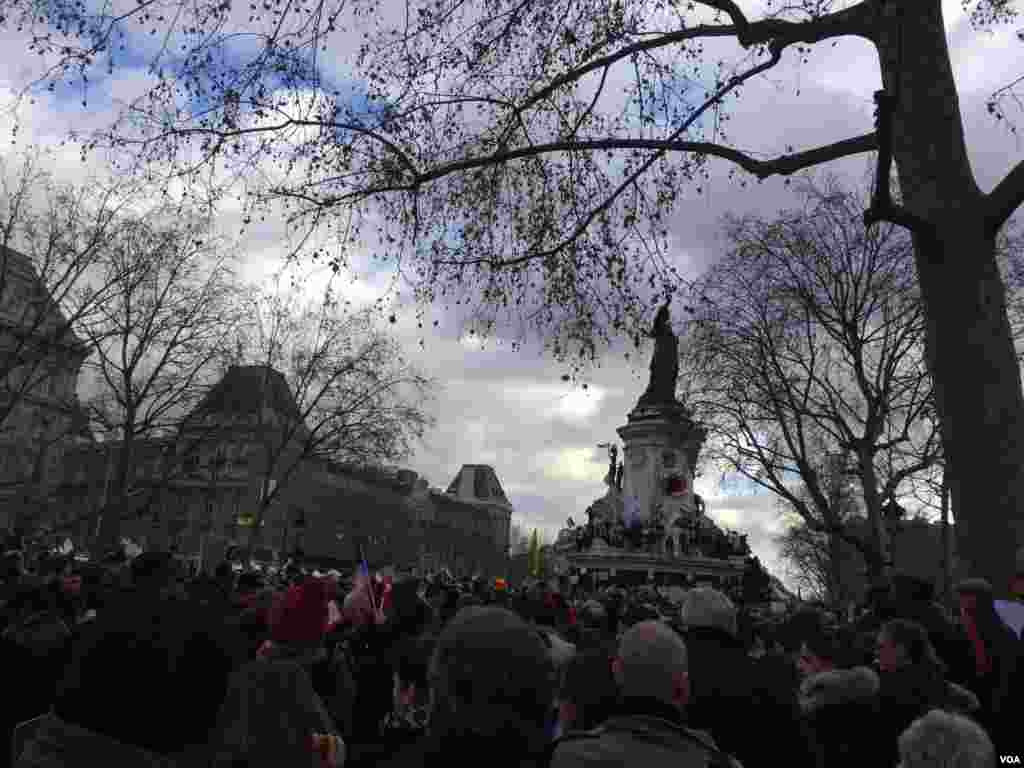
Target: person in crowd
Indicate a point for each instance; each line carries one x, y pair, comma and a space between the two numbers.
943, 740
561, 650
248, 587
406, 723
725, 687
225, 577
912, 681
449, 605
831, 699
12, 573
298, 624
369, 641
594, 630
34, 648
253, 632
409, 615
649, 727
145, 641
501, 594
410, 711
492, 686
821, 652
272, 717
913, 599
467, 600
589, 694
995, 658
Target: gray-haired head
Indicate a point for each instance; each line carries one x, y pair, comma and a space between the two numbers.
652, 663
942, 740
706, 607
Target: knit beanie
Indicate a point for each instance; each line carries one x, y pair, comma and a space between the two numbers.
301, 616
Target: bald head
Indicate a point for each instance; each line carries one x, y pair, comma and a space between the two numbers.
652, 663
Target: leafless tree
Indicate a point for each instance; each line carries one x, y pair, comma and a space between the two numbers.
804, 355
159, 339
806, 556
356, 399
52, 239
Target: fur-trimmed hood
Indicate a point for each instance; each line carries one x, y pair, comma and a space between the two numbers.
836, 687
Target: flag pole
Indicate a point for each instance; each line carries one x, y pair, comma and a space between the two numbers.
369, 581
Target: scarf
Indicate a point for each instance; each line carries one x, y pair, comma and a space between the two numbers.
982, 663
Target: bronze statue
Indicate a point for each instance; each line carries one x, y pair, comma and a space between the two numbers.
664, 362
613, 456
618, 475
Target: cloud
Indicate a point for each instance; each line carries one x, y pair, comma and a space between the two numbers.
511, 409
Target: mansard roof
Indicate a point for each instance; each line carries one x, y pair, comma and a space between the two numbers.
478, 482
42, 322
244, 389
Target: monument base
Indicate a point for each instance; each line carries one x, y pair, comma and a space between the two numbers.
638, 567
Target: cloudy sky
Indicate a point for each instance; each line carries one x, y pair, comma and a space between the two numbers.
511, 409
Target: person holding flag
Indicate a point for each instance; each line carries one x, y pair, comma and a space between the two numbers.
362, 607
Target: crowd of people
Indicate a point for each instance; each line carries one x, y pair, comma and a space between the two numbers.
141, 664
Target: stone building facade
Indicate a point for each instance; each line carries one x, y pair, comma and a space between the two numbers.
200, 493
40, 416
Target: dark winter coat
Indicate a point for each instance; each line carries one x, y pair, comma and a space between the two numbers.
840, 712
59, 744
434, 752
908, 693
331, 678
269, 716
33, 655
371, 648
724, 690
778, 717
645, 733
151, 662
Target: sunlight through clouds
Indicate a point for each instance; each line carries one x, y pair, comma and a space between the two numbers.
574, 465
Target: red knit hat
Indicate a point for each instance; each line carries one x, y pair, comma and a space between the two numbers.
301, 616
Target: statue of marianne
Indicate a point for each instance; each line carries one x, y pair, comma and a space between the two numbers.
664, 362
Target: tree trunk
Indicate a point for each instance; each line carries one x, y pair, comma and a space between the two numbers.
969, 344
877, 553
109, 534
835, 566
947, 550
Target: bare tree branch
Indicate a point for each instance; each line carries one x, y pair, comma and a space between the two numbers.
1004, 199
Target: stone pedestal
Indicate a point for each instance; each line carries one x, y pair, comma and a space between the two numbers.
662, 444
